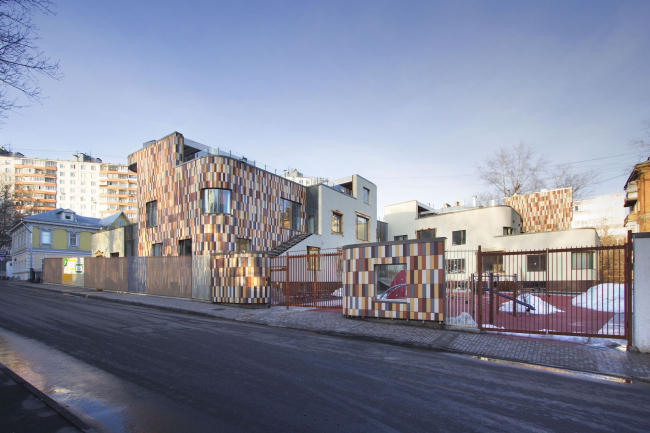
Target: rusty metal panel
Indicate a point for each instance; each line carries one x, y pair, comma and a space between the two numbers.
169, 276
53, 270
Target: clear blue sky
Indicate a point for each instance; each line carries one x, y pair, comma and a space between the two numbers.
410, 95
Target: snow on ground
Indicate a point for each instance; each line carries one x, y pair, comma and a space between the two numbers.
338, 292
615, 326
541, 307
464, 319
603, 297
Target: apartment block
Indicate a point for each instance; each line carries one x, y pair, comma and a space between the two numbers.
545, 210
84, 184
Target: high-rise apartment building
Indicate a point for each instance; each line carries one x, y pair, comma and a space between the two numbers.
86, 185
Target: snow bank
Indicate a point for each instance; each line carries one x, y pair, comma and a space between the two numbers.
603, 297
464, 319
338, 292
537, 302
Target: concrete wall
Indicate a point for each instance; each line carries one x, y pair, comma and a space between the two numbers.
542, 240
106, 242
641, 302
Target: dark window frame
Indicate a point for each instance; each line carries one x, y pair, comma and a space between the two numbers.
589, 255
419, 234
239, 242
455, 266
158, 245
151, 213
183, 247
290, 214
367, 231
313, 263
462, 236
340, 218
401, 238
536, 263
219, 203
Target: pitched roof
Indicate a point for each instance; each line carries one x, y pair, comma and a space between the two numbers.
107, 221
54, 216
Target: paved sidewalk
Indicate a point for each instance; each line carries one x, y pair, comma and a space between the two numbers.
591, 358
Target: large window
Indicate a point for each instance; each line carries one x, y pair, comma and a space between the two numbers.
243, 245
458, 237
152, 213
455, 266
185, 247
156, 250
390, 281
337, 223
290, 214
492, 263
582, 260
426, 233
313, 263
215, 200
536, 262
401, 238
363, 228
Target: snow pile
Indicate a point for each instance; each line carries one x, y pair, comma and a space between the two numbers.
541, 307
603, 297
338, 292
465, 319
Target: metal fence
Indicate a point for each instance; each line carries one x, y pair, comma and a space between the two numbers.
307, 280
460, 288
570, 291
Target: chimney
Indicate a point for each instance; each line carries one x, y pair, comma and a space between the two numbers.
474, 201
456, 203
493, 202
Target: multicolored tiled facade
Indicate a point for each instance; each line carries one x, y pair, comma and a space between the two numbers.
241, 278
176, 186
424, 260
545, 210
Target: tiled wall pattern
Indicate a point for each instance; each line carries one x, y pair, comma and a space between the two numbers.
424, 278
545, 210
256, 196
241, 278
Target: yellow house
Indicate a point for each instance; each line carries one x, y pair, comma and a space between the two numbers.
56, 233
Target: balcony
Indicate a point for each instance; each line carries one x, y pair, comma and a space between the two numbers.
631, 194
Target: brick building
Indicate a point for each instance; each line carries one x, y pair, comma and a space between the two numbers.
637, 198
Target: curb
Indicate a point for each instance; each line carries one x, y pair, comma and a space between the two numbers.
61, 410
551, 368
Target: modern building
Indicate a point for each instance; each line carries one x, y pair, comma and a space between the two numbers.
492, 227
545, 210
84, 184
296, 176
637, 198
605, 213
193, 199
339, 213
55, 233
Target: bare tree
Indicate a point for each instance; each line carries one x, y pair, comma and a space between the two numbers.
10, 214
514, 170
21, 61
562, 176
644, 142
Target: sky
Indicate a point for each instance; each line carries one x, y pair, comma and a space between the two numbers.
411, 95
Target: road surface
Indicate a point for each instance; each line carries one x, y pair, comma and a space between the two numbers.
124, 368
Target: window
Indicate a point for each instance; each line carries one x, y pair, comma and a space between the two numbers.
507, 231
61, 182
311, 224
390, 281
115, 254
313, 263
362, 228
215, 201
426, 233
582, 260
46, 238
289, 214
62, 190
455, 266
72, 174
337, 223
401, 238
184, 247
62, 174
120, 222
243, 245
366, 195
156, 250
72, 240
152, 211
536, 262
492, 263
458, 237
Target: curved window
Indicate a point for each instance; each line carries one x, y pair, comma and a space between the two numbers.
215, 200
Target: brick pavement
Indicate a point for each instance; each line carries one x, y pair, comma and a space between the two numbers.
591, 358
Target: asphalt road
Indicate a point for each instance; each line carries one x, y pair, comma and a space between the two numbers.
129, 368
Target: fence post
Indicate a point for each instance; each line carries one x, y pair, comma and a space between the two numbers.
479, 288
491, 296
315, 278
628, 289
548, 294
286, 283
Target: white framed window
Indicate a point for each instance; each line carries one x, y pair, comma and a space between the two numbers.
73, 241
46, 237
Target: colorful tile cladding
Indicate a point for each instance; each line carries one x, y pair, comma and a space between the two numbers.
256, 197
241, 278
545, 210
424, 265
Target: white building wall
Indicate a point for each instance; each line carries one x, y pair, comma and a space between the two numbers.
605, 213
78, 187
641, 316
